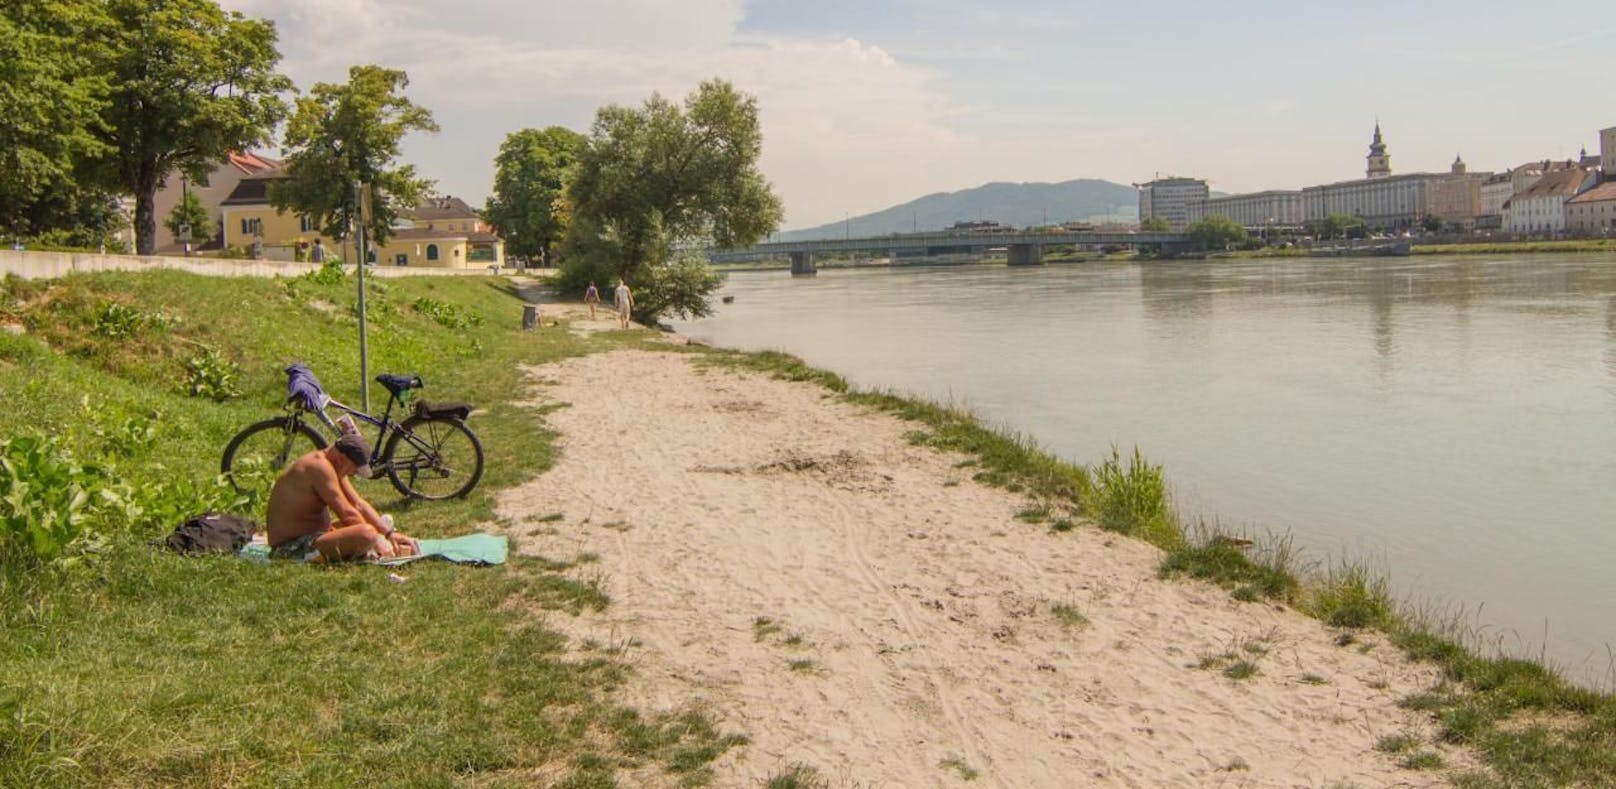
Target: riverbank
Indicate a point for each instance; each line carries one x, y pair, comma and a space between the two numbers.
722, 578
1518, 247
862, 607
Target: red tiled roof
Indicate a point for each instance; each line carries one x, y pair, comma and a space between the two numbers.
1598, 194
1559, 183
252, 163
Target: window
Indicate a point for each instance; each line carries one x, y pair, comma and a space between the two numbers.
305, 224
431, 251
252, 226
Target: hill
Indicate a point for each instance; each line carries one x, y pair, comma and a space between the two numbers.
1014, 204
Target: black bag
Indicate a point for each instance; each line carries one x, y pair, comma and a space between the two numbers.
430, 410
212, 532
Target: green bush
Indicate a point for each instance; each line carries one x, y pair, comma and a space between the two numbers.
52, 506
451, 316
212, 376
1132, 499
116, 321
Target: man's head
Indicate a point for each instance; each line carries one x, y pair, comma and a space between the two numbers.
355, 451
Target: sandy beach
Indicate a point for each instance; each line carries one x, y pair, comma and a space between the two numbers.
789, 564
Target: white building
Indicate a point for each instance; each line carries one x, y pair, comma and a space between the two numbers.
1179, 201
1383, 201
1260, 209
1540, 208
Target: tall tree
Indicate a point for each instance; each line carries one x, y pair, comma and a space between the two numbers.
666, 176
529, 175
51, 100
190, 216
1216, 232
189, 84
342, 136
1155, 224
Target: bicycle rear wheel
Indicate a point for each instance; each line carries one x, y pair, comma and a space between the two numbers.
255, 457
433, 459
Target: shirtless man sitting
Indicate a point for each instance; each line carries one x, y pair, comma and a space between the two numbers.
316, 487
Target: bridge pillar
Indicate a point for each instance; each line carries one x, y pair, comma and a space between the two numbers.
802, 263
1026, 254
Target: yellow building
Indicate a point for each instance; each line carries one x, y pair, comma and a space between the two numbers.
442, 232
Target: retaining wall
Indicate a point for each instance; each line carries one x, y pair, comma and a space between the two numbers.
51, 265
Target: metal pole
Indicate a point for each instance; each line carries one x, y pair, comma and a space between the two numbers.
364, 366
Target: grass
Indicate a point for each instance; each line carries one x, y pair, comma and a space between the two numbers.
131, 666
958, 765
1518, 247
1068, 615
1227, 561
797, 776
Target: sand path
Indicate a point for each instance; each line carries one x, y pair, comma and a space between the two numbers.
790, 564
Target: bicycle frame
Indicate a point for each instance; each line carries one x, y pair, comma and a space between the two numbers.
383, 426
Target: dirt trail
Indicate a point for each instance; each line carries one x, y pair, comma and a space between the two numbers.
792, 565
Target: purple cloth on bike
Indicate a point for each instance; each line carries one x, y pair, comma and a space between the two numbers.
304, 387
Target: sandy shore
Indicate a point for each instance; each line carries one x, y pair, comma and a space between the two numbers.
789, 564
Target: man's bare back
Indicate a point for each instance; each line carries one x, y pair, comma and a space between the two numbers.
315, 488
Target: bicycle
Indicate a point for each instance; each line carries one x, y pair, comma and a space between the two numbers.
431, 454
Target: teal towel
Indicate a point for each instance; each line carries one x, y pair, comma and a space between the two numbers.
467, 549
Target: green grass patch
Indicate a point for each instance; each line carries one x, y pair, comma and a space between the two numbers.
1350, 596
1068, 615
121, 664
1229, 562
1517, 247
797, 776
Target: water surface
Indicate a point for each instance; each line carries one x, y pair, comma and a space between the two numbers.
1450, 420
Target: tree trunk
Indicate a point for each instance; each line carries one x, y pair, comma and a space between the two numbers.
146, 216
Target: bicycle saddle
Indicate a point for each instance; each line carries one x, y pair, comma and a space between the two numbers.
399, 384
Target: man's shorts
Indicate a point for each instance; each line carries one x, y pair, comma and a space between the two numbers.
299, 548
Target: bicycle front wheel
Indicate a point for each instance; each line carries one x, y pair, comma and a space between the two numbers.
256, 456
433, 459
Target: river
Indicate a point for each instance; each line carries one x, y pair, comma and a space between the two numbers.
1451, 421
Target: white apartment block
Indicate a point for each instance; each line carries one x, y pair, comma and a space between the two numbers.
1386, 201
1179, 201
1260, 209
1540, 208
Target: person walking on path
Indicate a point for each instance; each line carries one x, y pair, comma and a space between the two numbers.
317, 254
625, 303
591, 297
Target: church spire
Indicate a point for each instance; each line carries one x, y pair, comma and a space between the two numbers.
1380, 164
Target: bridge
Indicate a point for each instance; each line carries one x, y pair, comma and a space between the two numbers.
1025, 248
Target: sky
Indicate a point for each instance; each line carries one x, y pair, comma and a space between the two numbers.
867, 104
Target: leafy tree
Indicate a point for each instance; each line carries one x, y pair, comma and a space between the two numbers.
189, 84
1337, 226
51, 100
1216, 232
1431, 223
190, 211
661, 177
345, 135
529, 176
1155, 224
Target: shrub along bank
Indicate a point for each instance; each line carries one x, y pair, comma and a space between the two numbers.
123, 664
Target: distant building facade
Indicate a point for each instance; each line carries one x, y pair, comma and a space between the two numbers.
222, 181
441, 232
1178, 201
1260, 209
1607, 151
1593, 211
1540, 208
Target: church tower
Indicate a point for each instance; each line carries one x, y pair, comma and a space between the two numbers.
1380, 165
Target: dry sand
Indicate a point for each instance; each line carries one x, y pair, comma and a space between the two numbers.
912, 638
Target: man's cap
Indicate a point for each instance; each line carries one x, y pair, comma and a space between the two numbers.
356, 450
